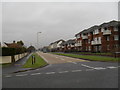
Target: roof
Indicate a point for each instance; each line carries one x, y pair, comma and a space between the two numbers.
70, 41
111, 23
57, 41
13, 45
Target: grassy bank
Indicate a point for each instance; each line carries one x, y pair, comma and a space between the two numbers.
90, 57
38, 63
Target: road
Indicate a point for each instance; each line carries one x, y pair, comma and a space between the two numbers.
66, 72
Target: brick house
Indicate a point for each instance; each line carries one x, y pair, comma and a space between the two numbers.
68, 46
102, 38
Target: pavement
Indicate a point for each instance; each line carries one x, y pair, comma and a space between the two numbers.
17, 66
65, 72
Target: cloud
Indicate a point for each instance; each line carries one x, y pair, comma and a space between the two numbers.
55, 20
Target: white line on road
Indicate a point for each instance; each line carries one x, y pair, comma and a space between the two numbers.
8, 76
35, 73
74, 62
89, 69
99, 68
69, 61
37, 69
111, 67
63, 72
43, 58
62, 59
76, 70
50, 73
87, 66
22, 75
56, 57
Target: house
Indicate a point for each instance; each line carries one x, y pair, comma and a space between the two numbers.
13, 45
55, 46
68, 46
31, 49
102, 38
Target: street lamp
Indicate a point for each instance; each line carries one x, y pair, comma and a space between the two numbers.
37, 37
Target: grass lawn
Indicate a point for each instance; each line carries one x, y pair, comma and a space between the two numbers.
94, 53
5, 64
39, 62
90, 57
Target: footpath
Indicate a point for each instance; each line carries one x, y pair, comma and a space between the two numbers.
17, 66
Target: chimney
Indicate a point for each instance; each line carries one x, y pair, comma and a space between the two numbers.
14, 41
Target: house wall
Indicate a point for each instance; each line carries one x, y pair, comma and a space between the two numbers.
105, 46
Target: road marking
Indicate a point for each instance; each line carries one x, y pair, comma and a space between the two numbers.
69, 61
37, 69
56, 57
22, 75
62, 59
50, 73
111, 67
8, 76
74, 62
63, 72
87, 66
76, 70
89, 69
43, 57
35, 73
99, 68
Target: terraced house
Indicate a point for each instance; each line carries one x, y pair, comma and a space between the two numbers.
68, 46
102, 38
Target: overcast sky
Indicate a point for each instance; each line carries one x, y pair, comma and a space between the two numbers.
22, 21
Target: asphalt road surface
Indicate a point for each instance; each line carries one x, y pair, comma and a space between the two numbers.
65, 72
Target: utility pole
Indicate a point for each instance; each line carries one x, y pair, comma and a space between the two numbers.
37, 38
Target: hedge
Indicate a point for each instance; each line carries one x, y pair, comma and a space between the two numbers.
11, 51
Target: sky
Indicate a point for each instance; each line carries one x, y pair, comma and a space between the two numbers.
56, 20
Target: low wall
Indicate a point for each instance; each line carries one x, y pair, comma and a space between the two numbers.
7, 59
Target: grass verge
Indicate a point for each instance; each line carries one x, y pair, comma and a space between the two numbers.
90, 57
5, 64
39, 62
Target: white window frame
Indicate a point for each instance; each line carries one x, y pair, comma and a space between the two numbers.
108, 38
116, 37
115, 28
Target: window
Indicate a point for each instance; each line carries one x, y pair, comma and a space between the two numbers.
99, 48
88, 40
96, 31
116, 45
105, 28
78, 36
115, 28
108, 47
89, 48
102, 29
99, 30
99, 38
88, 34
116, 37
108, 38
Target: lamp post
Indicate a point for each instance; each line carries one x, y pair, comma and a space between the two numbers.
37, 38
